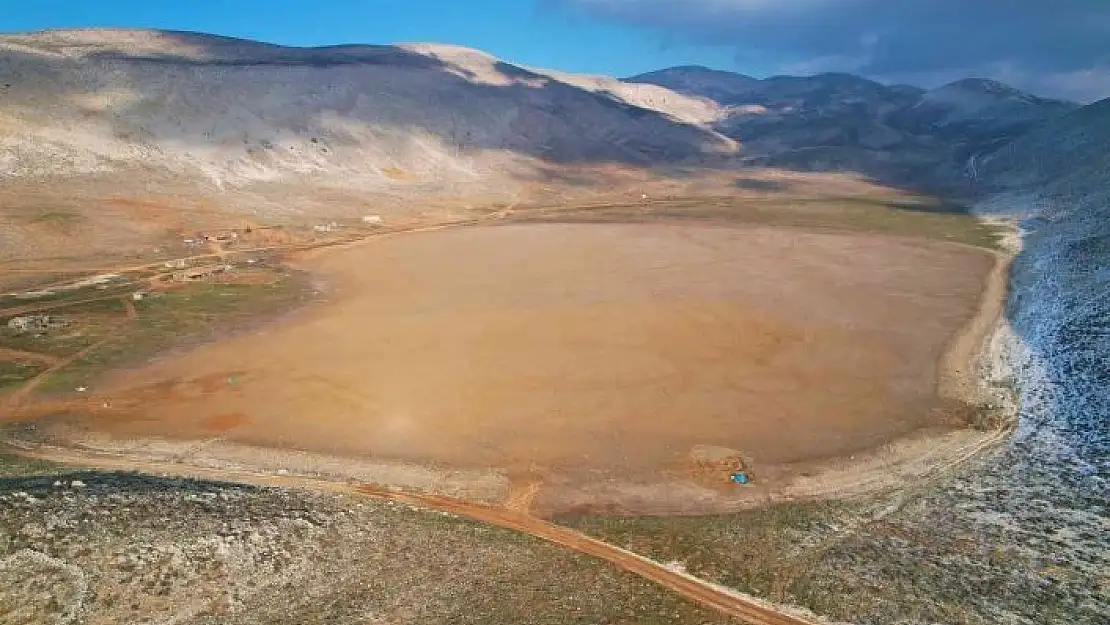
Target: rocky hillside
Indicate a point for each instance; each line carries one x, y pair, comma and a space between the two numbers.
980, 108
1069, 156
100, 548
1057, 179
237, 112
695, 80
839, 122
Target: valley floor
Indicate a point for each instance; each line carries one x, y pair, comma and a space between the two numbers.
226, 405
621, 367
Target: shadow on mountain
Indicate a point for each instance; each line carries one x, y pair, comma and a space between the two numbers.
109, 482
377, 96
316, 57
757, 184
357, 107
17, 67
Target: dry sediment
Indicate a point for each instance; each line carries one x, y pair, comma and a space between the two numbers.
729, 350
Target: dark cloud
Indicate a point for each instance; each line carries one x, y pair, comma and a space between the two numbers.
1059, 46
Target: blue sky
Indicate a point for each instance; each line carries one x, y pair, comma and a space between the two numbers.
543, 34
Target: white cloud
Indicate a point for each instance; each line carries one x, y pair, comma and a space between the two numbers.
1084, 85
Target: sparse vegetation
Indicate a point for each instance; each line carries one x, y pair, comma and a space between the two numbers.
759, 551
59, 343
192, 313
61, 297
62, 217
15, 373
920, 218
120, 547
906, 559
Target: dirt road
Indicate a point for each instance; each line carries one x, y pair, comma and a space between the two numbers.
57, 364
692, 588
16, 398
725, 601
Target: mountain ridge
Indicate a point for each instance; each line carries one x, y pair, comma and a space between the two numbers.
222, 106
899, 134
678, 72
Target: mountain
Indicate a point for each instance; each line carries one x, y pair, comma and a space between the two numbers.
696, 80
981, 114
239, 112
981, 102
1066, 156
898, 134
154, 109
1056, 180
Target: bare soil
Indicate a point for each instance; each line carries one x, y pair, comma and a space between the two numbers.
579, 355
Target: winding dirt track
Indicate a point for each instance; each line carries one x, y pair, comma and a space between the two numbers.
17, 398
57, 364
746, 609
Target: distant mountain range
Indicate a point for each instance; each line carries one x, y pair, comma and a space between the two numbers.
896, 133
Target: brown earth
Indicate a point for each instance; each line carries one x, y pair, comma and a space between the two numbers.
580, 354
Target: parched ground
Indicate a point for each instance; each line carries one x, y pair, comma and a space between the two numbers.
574, 354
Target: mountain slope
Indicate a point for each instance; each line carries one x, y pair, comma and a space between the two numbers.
1067, 156
978, 114
840, 122
696, 80
1056, 179
237, 112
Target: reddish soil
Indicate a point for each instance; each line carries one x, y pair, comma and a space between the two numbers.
584, 352
224, 421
